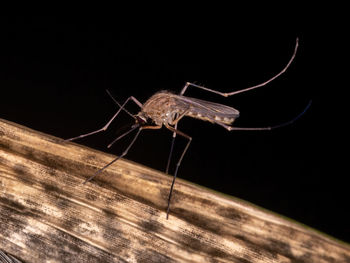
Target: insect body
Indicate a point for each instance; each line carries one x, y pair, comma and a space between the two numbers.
167, 109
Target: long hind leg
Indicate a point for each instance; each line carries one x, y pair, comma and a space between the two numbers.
225, 94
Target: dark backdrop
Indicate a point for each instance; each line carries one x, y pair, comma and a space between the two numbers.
54, 73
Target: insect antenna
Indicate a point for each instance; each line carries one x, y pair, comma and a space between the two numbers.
120, 156
120, 106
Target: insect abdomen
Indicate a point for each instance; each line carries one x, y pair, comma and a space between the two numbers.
211, 117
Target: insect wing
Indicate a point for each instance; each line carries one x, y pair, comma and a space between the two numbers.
207, 110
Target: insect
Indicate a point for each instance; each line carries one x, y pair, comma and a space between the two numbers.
167, 109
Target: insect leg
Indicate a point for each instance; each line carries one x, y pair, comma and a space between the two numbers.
126, 150
188, 84
116, 159
230, 128
171, 151
133, 127
109, 122
178, 163
178, 117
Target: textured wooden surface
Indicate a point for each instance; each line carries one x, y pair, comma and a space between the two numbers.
48, 215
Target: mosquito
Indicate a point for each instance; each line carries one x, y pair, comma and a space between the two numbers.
167, 109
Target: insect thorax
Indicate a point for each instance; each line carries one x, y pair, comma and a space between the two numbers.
161, 108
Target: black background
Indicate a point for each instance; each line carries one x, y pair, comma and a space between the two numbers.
54, 73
